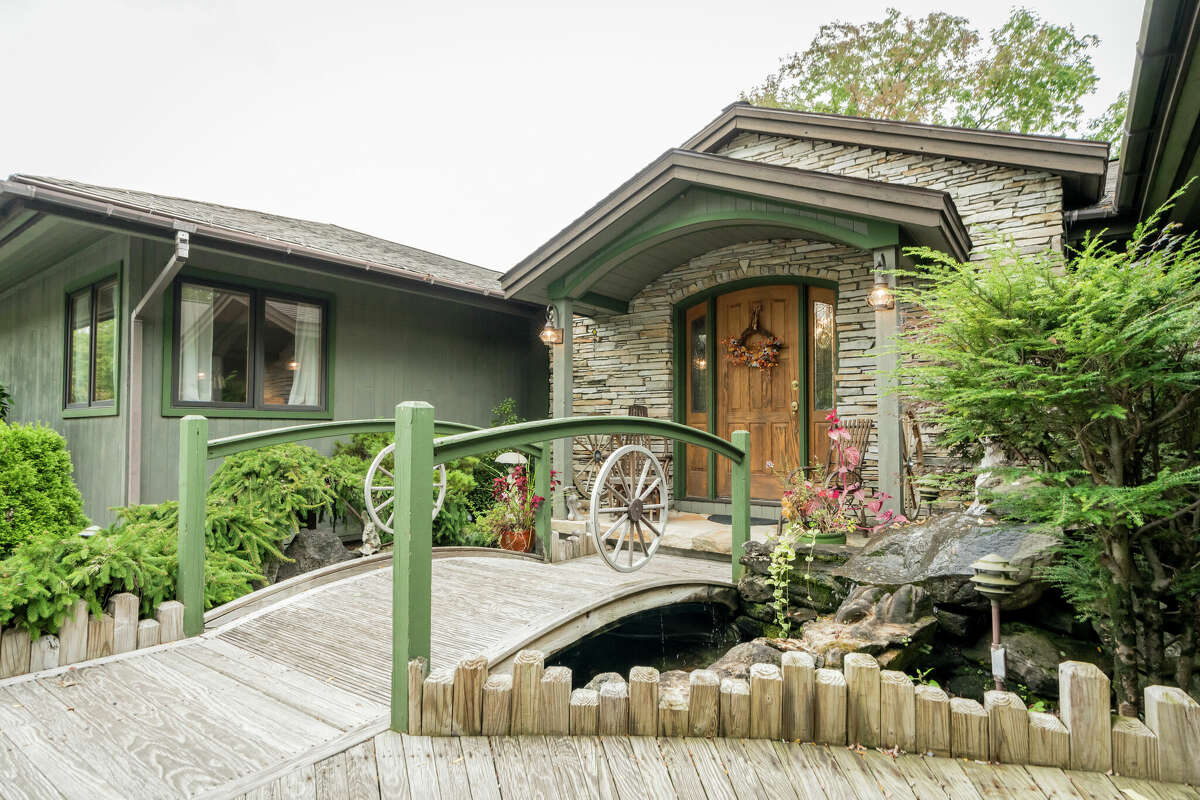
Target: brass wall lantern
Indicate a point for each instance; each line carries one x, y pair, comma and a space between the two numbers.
550, 334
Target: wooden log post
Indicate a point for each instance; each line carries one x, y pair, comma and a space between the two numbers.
735, 708
44, 653
643, 701
766, 702
1083, 705
704, 704
72, 635
14, 652
1008, 727
497, 705
527, 671
897, 711
740, 507
123, 608
469, 677
830, 692
799, 682
437, 703
412, 550
100, 636
968, 729
193, 494
148, 633
932, 721
554, 703
1175, 719
585, 712
614, 708
672, 711
1049, 741
1135, 749
862, 699
418, 668
170, 621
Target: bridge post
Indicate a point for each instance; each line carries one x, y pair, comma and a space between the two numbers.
412, 549
740, 479
542, 486
193, 492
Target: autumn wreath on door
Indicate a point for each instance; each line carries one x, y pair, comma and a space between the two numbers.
754, 347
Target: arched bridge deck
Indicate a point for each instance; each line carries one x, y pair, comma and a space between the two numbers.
298, 680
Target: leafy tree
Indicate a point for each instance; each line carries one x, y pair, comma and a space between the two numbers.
1087, 371
1110, 125
1029, 76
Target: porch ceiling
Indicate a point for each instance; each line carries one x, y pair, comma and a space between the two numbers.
685, 204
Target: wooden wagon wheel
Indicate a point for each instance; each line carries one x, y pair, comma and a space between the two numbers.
381, 496
589, 453
629, 508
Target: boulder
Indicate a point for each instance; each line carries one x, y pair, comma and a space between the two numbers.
313, 549
737, 661
755, 588
960, 626
937, 556
1032, 656
892, 626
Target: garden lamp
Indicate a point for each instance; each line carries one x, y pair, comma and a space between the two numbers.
993, 579
510, 459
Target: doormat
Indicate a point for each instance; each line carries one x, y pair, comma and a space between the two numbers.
727, 519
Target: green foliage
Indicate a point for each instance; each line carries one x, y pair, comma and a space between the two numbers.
1110, 126
1029, 76
37, 494
287, 483
5, 402
1087, 372
45, 576
505, 413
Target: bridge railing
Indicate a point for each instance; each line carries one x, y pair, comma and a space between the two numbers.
418, 448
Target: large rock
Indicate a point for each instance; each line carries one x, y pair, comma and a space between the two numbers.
892, 626
312, 550
937, 556
737, 662
1032, 655
603, 678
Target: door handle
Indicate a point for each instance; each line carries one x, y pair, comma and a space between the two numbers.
795, 406
795, 386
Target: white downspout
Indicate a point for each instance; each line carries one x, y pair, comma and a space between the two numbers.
133, 490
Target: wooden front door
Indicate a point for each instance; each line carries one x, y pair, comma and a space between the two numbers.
764, 402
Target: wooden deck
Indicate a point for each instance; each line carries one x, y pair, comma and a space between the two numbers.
392, 767
295, 682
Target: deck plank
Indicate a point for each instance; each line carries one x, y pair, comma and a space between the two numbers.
568, 770
300, 784
510, 768
627, 775
332, 783
887, 773
481, 769
422, 772
804, 774
683, 773
539, 767
655, 776
596, 771
923, 782
772, 774
20, 779
391, 767
835, 783
451, 766
711, 769
362, 776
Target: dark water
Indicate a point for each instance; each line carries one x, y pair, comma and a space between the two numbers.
684, 636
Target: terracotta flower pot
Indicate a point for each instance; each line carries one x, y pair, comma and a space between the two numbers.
517, 541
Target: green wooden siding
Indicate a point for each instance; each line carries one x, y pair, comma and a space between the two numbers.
32, 364
388, 346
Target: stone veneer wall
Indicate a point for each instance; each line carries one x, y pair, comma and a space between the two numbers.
625, 359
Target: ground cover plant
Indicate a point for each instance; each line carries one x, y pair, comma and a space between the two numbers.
1086, 370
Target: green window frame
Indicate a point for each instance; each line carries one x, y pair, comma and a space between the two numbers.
92, 347
262, 302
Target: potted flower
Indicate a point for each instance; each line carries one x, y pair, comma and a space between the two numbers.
510, 520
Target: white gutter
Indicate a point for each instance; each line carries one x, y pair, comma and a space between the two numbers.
133, 492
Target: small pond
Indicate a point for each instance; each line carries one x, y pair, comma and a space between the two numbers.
684, 636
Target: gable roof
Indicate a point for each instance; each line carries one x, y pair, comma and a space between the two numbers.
604, 257
287, 236
1081, 163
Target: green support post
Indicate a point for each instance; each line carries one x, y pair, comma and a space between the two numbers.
542, 487
741, 501
412, 549
193, 489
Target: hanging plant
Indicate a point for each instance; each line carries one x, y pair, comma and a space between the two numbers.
755, 347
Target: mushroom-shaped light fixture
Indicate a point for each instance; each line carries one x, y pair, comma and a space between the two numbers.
993, 579
510, 459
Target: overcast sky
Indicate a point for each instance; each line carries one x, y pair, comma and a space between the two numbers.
476, 130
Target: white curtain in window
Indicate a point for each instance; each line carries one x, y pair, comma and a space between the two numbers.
196, 343
306, 386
